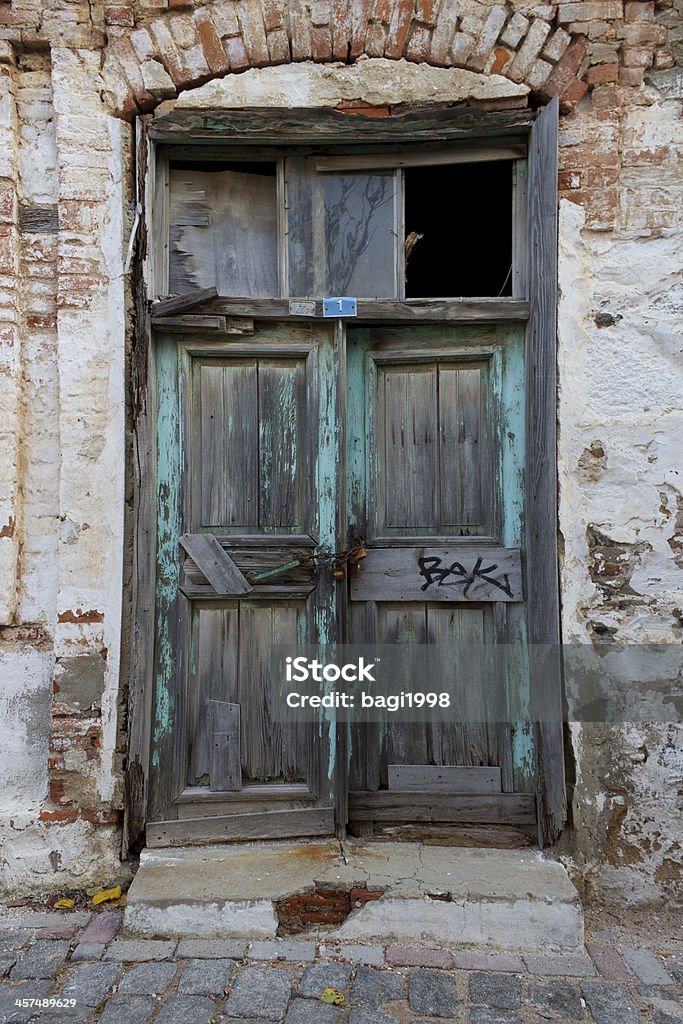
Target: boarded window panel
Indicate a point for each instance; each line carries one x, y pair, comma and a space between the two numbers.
223, 231
410, 448
213, 677
229, 471
341, 232
280, 389
460, 415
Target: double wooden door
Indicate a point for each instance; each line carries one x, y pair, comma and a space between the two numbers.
275, 446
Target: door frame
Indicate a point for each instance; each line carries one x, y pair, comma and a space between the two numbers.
535, 302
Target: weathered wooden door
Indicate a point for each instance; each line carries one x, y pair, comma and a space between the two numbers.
247, 469
436, 486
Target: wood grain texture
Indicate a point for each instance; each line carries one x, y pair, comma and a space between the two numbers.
300, 125
379, 161
225, 772
223, 231
215, 563
180, 303
456, 573
444, 778
541, 503
416, 311
317, 821
392, 805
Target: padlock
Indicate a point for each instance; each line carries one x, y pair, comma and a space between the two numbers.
339, 572
355, 570
359, 554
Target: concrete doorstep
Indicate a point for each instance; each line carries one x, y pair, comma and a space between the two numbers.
377, 893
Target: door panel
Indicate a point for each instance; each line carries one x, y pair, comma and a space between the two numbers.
435, 462
255, 468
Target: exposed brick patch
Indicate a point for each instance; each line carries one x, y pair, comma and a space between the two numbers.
322, 905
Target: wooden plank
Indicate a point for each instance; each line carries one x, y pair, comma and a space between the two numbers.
301, 125
386, 161
215, 563
225, 453
457, 573
541, 467
408, 443
417, 311
393, 805
280, 394
314, 821
483, 837
225, 772
189, 323
269, 791
444, 778
180, 303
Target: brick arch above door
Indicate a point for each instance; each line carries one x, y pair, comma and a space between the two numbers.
555, 50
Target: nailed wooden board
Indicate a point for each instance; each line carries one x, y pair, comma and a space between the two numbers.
225, 772
179, 303
418, 311
394, 805
444, 778
463, 154
458, 573
314, 821
215, 563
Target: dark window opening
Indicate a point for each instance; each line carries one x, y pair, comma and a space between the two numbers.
463, 213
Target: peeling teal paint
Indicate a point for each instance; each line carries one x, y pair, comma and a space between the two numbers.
169, 443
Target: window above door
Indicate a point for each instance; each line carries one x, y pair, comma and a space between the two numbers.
407, 223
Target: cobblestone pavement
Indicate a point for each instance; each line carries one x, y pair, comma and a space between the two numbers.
81, 961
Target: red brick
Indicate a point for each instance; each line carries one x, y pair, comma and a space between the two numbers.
426, 11
663, 60
572, 95
567, 68
7, 205
361, 14
236, 54
399, 28
642, 32
272, 13
170, 54
416, 956
608, 962
103, 927
341, 18
278, 47
300, 30
253, 32
215, 55
568, 180
639, 10
638, 57
178, 5
381, 11
360, 895
632, 77
419, 43
606, 97
501, 58
601, 73
321, 38
58, 816
119, 16
349, 108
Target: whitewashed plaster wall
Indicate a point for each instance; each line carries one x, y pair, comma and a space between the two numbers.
620, 417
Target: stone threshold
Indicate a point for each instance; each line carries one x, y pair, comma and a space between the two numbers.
359, 892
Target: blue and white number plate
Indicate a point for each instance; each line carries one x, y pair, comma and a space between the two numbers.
340, 306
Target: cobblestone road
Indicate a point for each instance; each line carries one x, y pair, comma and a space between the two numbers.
82, 961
